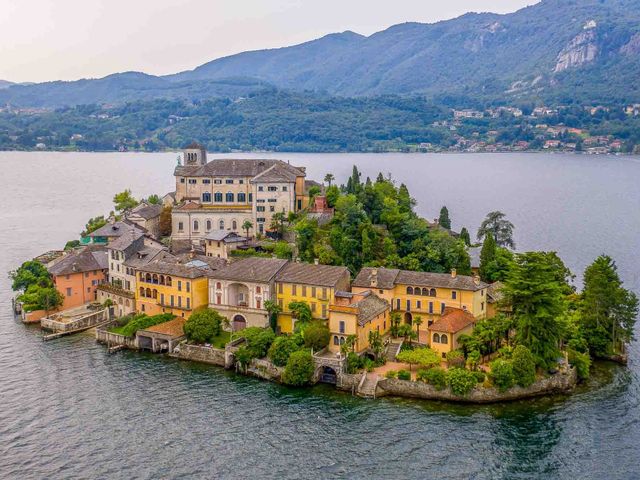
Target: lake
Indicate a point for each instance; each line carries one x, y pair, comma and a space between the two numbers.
70, 410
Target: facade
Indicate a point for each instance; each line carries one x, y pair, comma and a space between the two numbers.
147, 217
357, 314
445, 332
111, 231
239, 291
424, 294
315, 285
221, 243
77, 275
222, 194
167, 286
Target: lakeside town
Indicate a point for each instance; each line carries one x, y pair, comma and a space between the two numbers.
250, 265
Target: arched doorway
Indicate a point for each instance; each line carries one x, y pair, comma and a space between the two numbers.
239, 322
328, 375
408, 318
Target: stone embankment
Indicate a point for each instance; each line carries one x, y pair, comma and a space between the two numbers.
562, 382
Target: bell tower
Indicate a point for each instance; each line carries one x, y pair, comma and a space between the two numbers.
195, 155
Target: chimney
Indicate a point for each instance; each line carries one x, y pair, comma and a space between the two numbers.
316, 261
476, 279
374, 277
454, 273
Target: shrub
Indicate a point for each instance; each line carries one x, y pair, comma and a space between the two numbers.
582, 363
316, 335
354, 362
480, 376
142, 321
299, 369
258, 340
455, 358
460, 381
282, 348
502, 374
434, 376
404, 375
424, 357
473, 359
203, 326
524, 366
391, 374
368, 364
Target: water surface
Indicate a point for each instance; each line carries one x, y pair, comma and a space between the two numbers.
70, 410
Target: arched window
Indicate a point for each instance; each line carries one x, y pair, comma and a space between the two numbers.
425, 292
142, 291
155, 293
206, 197
242, 197
218, 299
148, 293
196, 225
161, 279
258, 290
229, 197
444, 338
155, 278
219, 286
409, 290
436, 338
208, 225
221, 224
336, 340
148, 278
341, 340
217, 197
234, 225
168, 280
432, 292
126, 302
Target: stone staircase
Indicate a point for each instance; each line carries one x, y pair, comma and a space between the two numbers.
367, 388
393, 349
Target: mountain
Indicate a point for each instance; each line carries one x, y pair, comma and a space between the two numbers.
555, 50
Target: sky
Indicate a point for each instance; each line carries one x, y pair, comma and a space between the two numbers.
43, 40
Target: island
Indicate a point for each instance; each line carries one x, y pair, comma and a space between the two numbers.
251, 266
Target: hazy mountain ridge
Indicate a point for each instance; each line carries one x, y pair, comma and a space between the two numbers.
556, 49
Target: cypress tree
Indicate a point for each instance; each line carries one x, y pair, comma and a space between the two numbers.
444, 219
487, 257
465, 237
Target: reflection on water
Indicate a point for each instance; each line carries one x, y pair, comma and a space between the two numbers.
70, 410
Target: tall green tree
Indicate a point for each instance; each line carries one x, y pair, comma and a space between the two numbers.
443, 219
608, 311
497, 224
535, 295
124, 201
487, 256
465, 237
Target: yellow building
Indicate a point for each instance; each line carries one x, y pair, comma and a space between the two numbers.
445, 332
166, 286
425, 295
221, 243
357, 314
315, 285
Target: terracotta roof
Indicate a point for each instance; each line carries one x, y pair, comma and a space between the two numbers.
172, 328
230, 167
188, 206
251, 269
453, 320
310, 274
86, 260
387, 278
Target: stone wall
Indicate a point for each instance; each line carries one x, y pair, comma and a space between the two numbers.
349, 382
562, 382
90, 320
111, 339
264, 369
198, 353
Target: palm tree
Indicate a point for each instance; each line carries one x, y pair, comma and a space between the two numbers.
329, 178
418, 321
246, 226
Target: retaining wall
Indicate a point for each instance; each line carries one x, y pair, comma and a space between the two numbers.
561, 382
87, 321
199, 353
111, 339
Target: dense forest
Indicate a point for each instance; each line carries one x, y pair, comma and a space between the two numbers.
279, 120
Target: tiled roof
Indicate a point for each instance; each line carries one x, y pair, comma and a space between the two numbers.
251, 269
370, 307
116, 229
129, 242
226, 236
147, 211
168, 267
172, 328
310, 274
494, 292
276, 173
194, 146
229, 167
86, 260
453, 320
387, 278
146, 255
214, 263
